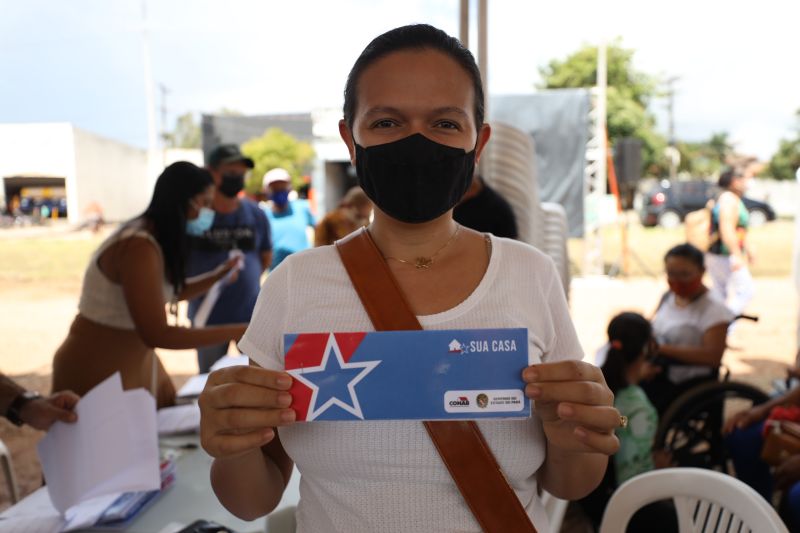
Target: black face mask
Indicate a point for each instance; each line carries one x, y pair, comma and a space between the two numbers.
414, 179
231, 184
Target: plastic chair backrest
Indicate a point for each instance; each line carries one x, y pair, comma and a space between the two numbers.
509, 167
705, 501
8, 470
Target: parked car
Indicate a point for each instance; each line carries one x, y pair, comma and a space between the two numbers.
667, 204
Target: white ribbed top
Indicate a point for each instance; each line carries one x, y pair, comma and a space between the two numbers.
103, 301
386, 475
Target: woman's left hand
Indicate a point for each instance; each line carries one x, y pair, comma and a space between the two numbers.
575, 405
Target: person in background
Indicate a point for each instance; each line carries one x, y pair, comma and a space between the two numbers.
690, 326
21, 406
132, 276
728, 254
239, 226
290, 220
354, 212
745, 438
630, 345
484, 210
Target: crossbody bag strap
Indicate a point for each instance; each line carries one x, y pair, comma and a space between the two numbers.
460, 444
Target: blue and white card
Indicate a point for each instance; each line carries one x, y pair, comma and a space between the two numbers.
408, 375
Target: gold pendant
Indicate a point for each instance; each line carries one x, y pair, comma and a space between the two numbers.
423, 263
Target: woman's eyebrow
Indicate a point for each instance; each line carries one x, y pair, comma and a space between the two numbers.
382, 110
450, 109
388, 110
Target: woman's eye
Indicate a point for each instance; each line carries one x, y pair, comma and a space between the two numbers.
447, 124
385, 123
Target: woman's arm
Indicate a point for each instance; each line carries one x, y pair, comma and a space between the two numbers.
141, 275
709, 354
251, 485
241, 408
728, 220
198, 285
757, 413
578, 418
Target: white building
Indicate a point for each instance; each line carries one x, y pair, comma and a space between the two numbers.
85, 168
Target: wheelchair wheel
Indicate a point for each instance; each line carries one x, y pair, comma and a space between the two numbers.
691, 428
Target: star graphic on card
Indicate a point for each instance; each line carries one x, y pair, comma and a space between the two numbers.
333, 381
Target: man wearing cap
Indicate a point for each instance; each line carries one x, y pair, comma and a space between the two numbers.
288, 219
240, 226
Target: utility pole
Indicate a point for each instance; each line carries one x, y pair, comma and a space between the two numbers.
674, 155
164, 133
149, 100
463, 23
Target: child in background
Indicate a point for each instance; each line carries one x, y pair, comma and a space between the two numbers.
630, 345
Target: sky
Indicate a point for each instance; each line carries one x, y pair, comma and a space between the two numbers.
81, 61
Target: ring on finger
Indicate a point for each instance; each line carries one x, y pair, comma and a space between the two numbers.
623, 421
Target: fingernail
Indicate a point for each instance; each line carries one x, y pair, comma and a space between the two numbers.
288, 415
534, 391
284, 381
530, 375
566, 410
581, 433
268, 434
284, 399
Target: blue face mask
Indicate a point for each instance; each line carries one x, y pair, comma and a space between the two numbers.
281, 198
205, 218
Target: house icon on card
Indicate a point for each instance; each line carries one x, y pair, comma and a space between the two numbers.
455, 347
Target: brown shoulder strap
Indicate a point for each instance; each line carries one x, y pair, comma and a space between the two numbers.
460, 443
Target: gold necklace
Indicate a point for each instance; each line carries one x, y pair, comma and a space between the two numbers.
424, 263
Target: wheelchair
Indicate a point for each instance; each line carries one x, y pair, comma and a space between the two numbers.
691, 426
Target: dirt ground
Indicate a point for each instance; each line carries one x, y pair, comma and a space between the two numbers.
37, 315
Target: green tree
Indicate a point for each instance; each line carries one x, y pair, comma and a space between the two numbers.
706, 158
629, 93
786, 160
720, 147
186, 133
276, 148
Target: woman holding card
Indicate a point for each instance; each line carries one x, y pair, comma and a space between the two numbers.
413, 123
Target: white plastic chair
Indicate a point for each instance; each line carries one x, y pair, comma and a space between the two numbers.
705, 501
8, 470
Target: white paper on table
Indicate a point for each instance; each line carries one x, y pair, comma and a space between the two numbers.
207, 305
112, 448
33, 514
33, 524
193, 386
179, 419
86, 514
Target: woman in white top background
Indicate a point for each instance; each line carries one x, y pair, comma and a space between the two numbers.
133, 274
690, 326
413, 123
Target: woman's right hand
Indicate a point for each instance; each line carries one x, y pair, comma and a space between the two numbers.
240, 408
745, 418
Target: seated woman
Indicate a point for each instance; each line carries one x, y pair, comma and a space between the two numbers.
745, 439
690, 326
630, 345
413, 124
135, 272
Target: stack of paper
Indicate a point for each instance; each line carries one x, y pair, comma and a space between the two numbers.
131, 504
111, 449
179, 419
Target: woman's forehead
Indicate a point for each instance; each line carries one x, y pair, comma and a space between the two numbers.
415, 80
